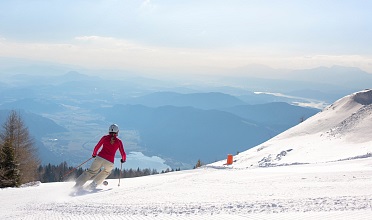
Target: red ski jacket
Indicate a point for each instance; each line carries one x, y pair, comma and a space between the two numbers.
109, 149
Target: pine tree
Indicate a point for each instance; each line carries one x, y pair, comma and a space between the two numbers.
16, 134
10, 175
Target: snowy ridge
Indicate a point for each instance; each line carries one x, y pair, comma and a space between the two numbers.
353, 121
342, 130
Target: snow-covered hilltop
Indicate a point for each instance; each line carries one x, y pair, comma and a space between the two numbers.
342, 131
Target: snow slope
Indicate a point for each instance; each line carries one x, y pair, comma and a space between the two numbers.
341, 131
325, 173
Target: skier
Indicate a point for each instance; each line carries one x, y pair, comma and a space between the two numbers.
104, 159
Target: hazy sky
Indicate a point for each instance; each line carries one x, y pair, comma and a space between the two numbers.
188, 35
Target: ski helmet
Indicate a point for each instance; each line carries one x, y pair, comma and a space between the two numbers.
114, 128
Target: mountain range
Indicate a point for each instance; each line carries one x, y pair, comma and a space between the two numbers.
187, 134
205, 121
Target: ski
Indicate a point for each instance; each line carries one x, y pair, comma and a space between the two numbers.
84, 191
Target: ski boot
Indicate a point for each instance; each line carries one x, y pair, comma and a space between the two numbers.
92, 186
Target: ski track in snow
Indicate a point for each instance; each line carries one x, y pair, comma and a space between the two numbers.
324, 204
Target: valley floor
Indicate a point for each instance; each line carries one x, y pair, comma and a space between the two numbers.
339, 190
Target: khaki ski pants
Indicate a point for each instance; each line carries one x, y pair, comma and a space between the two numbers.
95, 169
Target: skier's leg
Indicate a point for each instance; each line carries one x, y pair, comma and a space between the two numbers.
93, 170
107, 168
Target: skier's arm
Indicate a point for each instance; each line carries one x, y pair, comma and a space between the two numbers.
122, 152
97, 147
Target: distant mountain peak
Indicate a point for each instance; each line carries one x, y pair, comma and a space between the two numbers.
76, 76
73, 74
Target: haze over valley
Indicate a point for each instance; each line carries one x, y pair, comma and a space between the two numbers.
166, 123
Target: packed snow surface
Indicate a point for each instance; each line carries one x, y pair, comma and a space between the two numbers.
320, 169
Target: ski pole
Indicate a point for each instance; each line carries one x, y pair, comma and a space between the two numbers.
75, 168
121, 167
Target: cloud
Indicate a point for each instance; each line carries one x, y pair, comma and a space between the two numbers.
189, 35
104, 42
115, 53
148, 5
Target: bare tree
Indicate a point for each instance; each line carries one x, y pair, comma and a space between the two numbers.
16, 134
198, 164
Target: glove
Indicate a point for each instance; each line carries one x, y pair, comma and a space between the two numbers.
122, 161
94, 156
